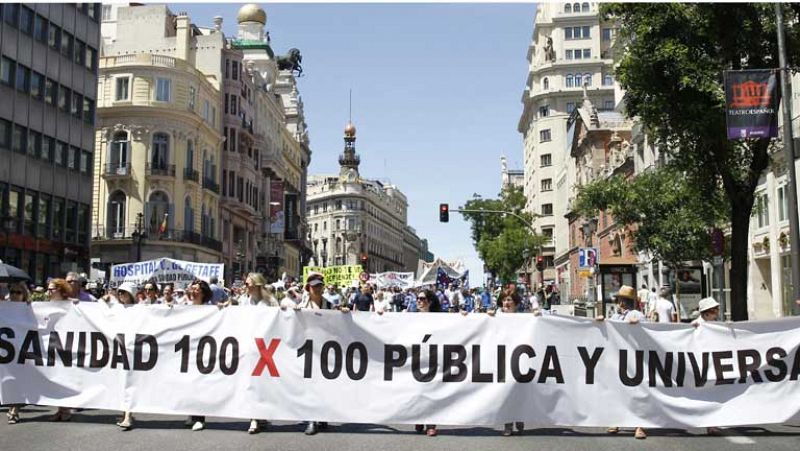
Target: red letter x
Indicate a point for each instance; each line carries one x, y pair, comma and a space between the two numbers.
266, 357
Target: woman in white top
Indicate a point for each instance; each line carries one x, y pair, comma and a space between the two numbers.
510, 301
709, 311
258, 292
383, 302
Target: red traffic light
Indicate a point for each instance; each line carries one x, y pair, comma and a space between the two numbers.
444, 213
539, 263
363, 257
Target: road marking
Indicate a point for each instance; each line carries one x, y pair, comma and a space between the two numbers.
740, 440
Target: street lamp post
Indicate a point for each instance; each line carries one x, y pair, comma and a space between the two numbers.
139, 235
324, 252
239, 257
589, 226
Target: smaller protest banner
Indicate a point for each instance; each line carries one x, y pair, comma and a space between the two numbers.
392, 279
180, 273
341, 275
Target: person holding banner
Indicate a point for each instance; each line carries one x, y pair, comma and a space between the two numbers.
626, 312
428, 302
258, 292
17, 292
60, 290
199, 294
510, 301
709, 311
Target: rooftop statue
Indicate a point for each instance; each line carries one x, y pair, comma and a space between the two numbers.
291, 62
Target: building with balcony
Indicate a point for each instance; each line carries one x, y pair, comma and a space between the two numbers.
353, 220
48, 94
571, 48
158, 139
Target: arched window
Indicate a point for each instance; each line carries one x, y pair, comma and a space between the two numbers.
545, 83
578, 80
608, 80
188, 215
203, 220
567, 8
159, 157
585, 7
576, 7
158, 213
115, 213
587, 79
338, 245
118, 156
570, 81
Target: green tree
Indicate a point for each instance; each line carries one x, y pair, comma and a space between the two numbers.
670, 215
671, 67
503, 241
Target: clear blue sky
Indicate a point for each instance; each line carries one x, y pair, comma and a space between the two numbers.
436, 96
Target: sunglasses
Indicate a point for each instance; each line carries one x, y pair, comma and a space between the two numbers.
422, 298
149, 289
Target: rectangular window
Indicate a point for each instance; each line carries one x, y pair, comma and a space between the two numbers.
587, 32
163, 89
40, 29
58, 218
568, 33
48, 148
608, 80
54, 37
88, 110
64, 99
43, 216
233, 147
544, 111
26, 20
84, 167
587, 53
234, 101
77, 105
607, 34
37, 85
547, 184
11, 13
546, 160
106, 12
547, 209
50, 92
224, 183
235, 71
66, 44
5, 136
225, 141
192, 97
34, 143
80, 52
762, 210
783, 203
19, 139
23, 78
13, 206
7, 71
608, 104
227, 99
568, 54
29, 214
60, 156
72, 217
544, 135
122, 88
91, 57
71, 157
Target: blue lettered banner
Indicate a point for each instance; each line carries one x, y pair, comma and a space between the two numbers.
396, 368
165, 270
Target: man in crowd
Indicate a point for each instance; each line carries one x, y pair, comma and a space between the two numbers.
150, 293
167, 298
78, 284
643, 294
333, 296
218, 294
364, 302
662, 310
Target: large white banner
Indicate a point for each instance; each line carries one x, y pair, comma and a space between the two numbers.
180, 273
391, 279
253, 362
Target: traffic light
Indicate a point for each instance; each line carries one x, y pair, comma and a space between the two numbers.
364, 259
444, 213
539, 263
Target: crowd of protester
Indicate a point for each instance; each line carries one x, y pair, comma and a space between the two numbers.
316, 294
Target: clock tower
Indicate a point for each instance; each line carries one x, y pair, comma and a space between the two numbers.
349, 159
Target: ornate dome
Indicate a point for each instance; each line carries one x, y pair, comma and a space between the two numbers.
252, 13
349, 130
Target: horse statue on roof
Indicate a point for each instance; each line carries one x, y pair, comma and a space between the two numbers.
291, 61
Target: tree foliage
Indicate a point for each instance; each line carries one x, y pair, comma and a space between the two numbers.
671, 67
672, 218
503, 241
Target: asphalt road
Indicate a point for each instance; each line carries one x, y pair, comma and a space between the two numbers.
95, 430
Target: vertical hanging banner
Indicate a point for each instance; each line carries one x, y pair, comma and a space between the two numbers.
276, 206
291, 219
751, 103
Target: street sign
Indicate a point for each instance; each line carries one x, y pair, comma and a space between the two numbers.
364, 276
587, 257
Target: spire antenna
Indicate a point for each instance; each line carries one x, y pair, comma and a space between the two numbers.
350, 110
